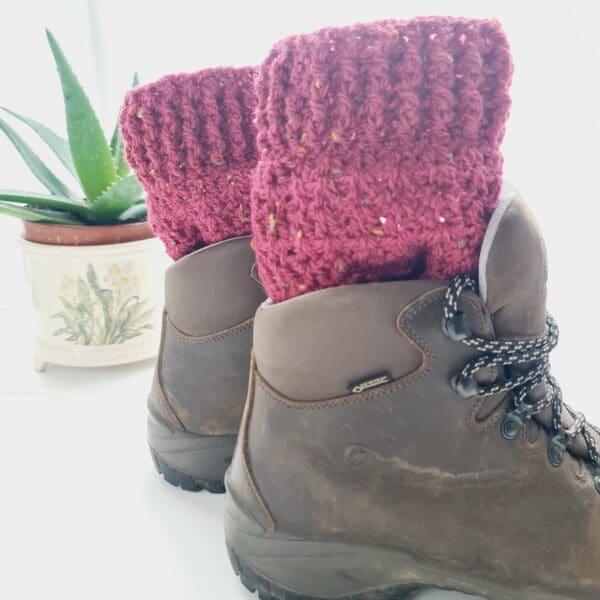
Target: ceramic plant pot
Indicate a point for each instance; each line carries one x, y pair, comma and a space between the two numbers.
97, 293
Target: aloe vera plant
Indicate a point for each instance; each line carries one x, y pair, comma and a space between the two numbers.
108, 191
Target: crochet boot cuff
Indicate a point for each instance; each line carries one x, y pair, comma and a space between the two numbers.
378, 151
191, 141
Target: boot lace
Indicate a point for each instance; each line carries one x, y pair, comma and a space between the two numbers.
533, 358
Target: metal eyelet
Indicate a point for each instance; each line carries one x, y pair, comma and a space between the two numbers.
597, 479
465, 387
512, 424
456, 328
557, 448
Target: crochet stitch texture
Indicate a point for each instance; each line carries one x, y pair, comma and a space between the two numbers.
378, 152
192, 143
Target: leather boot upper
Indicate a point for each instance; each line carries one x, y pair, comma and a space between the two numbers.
353, 431
201, 376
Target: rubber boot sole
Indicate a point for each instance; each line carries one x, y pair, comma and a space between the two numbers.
283, 567
183, 480
267, 590
191, 461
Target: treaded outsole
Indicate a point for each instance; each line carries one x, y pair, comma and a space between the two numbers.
267, 590
183, 480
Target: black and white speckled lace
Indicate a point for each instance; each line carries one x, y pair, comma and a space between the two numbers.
532, 356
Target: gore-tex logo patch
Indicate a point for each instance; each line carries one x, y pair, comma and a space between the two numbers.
372, 381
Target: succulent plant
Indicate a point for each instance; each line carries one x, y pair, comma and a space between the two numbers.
110, 193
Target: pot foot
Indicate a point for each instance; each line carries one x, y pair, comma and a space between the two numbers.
39, 363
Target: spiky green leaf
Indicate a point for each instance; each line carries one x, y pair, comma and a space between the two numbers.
89, 148
45, 201
116, 142
121, 164
138, 212
116, 199
29, 213
52, 183
55, 142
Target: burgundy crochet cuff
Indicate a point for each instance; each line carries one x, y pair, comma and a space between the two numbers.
379, 151
192, 143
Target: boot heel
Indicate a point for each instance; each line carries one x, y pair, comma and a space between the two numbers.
186, 482
191, 461
281, 567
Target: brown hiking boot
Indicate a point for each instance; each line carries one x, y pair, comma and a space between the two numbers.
408, 434
201, 377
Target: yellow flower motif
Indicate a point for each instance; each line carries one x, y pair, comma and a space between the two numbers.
103, 312
122, 279
68, 288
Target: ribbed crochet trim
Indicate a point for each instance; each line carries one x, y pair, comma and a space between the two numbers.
191, 140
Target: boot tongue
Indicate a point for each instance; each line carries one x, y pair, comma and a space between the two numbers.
512, 282
513, 271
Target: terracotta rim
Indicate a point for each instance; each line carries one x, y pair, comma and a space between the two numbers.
82, 235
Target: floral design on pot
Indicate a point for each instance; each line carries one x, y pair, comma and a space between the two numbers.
96, 314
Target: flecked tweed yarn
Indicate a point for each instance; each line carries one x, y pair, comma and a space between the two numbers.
192, 143
378, 152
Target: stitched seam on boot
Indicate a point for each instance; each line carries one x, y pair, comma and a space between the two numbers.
176, 421
213, 337
254, 274
405, 329
262, 505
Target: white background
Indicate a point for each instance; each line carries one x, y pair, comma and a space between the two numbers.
82, 515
